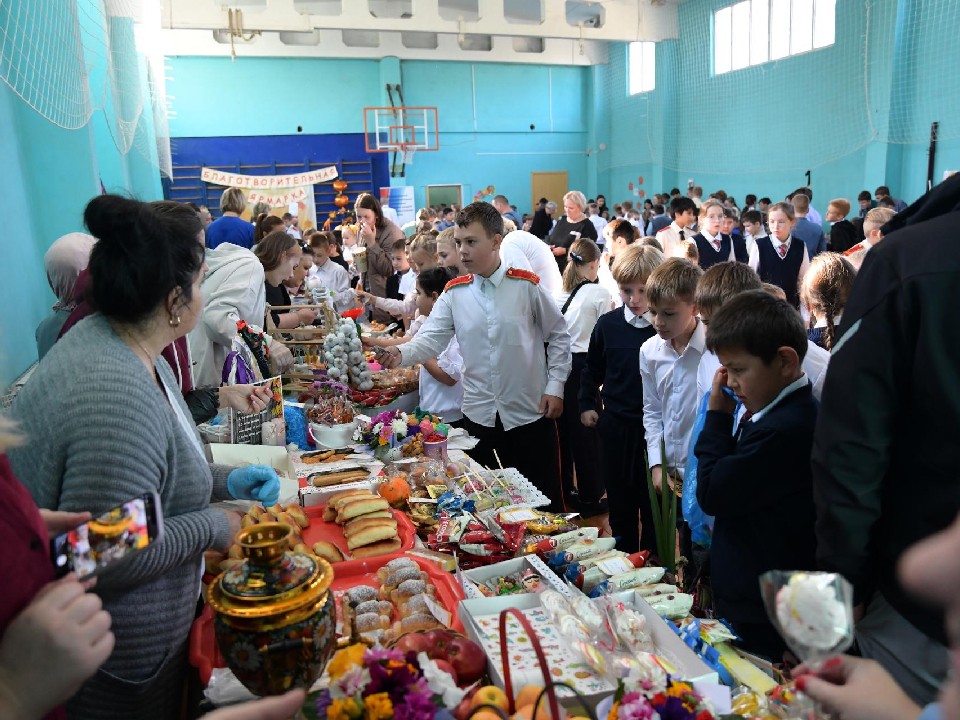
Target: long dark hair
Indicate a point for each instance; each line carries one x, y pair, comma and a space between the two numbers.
145, 250
366, 201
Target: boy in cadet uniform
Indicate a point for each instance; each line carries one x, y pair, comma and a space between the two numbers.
502, 318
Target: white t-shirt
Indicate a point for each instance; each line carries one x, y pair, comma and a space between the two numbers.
444, 400
590, 302
526, 251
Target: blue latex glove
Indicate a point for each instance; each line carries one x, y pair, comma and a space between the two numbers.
255, 482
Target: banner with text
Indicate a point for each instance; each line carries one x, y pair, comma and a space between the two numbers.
268, 182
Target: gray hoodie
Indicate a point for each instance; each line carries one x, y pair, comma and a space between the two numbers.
232, 290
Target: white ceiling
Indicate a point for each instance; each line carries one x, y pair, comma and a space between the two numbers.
530, 31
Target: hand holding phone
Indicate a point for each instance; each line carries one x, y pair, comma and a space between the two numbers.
111, 537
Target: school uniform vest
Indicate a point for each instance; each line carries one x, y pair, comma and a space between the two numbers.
709, 255
740, 248
783, 272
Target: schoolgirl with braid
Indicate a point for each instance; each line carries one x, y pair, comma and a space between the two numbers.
824, 291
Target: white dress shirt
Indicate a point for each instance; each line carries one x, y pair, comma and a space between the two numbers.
501, 324
814, 366
336, 280
599, 223
751, 242
526, 251
440, 399
638, 321
590, 302
670, 396
754, 253
408, 283
669, 237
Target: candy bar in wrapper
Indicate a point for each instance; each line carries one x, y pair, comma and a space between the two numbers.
576, 569
451, 528
627, 580
562, 541
580, 550
477, 536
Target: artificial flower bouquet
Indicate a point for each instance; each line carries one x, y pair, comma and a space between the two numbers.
650, 701
395, 434
378, 684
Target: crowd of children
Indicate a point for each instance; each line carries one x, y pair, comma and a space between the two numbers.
583, 353
702, 348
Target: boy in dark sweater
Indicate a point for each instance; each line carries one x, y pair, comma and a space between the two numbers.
613, 363
757, 481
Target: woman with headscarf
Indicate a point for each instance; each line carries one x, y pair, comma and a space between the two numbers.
64, 261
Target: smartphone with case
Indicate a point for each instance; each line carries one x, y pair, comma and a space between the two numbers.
110, 538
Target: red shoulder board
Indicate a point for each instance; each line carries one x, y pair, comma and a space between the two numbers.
523, 275
851, 251
665, 227
459, 280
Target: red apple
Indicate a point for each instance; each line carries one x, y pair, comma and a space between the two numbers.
413, 642
436, 642
447, 668
467, 658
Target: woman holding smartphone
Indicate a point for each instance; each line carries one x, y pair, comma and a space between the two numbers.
377, 235
104, 422
571, 227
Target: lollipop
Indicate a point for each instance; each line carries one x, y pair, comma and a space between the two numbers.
810, 613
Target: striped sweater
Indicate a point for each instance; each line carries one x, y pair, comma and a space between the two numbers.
101, 432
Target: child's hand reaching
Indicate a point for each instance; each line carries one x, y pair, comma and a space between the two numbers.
589, 418
719, 400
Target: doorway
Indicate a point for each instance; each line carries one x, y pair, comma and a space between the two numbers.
550, 185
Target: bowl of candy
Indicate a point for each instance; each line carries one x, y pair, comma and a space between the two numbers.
332, 422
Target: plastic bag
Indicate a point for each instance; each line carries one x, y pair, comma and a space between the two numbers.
701, 524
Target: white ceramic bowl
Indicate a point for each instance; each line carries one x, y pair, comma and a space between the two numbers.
333, 437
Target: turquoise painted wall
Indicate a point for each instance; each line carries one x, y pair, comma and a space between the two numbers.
854, 124
485, 112
55, 172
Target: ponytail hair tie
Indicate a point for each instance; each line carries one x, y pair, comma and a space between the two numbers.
576, 257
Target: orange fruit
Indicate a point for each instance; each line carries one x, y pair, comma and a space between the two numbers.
395, 491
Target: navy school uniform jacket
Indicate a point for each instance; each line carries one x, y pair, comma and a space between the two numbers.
613, 361
759, 487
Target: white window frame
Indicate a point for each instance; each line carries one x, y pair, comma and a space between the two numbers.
752, 38
641, 67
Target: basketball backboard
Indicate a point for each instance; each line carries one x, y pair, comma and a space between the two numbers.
404, 129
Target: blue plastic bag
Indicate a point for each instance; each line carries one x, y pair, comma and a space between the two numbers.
701, 524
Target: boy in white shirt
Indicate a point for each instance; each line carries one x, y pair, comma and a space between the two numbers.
502, 319
668, 365
619, 235
331, 274
684, 216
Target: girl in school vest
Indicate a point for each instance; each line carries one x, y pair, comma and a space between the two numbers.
712, 245
781, 259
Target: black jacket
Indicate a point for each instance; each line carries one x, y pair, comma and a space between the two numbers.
759, 489
886, 456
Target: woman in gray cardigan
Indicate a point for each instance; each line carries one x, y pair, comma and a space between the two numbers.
106, 423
